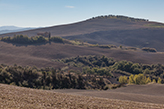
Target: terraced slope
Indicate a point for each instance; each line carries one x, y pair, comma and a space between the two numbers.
18, 97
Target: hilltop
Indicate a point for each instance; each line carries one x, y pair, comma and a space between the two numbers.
117, 30
84, 27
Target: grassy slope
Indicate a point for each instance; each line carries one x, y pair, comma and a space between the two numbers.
17, 97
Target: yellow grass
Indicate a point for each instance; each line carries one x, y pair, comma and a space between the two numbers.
18, 97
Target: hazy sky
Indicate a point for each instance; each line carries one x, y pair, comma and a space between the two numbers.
40, 13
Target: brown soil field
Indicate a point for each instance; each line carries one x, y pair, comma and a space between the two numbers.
151, 93
24, 98
44, 55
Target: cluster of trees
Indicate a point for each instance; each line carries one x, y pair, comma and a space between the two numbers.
102, 46
95, 73
90, 61
121, 17
98, 71
103, 66
137, 79
47, 78
91, 64
23, 39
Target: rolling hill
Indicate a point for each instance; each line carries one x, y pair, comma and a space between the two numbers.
43, 55
118, 30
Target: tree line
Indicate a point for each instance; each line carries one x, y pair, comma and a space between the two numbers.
23, 39
104, 66
47, 78
138, 79
121, 18
95, 73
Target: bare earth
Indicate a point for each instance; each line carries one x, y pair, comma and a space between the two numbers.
152, 93
18, 97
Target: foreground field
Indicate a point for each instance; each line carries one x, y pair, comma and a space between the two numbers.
151, 93
18, 97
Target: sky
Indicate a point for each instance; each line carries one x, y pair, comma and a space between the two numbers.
44, 13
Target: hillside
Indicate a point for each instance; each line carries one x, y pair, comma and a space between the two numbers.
108, 30
83, 27
43, 55
19, 97
143, 37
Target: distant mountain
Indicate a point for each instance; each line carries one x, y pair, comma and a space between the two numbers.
117, 30
9, 29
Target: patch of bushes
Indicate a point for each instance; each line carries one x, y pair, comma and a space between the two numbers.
47, 78
137, 79
103, 66
149, 49
23, 39
104, 46
57, 39
123, 79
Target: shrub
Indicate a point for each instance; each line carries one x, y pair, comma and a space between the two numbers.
159, 80
146, 71
140, 79
57, 39
123, 79
104, 46
131, 79
148, 80
149, 49
154, 81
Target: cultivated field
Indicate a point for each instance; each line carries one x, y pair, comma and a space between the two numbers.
18, 97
